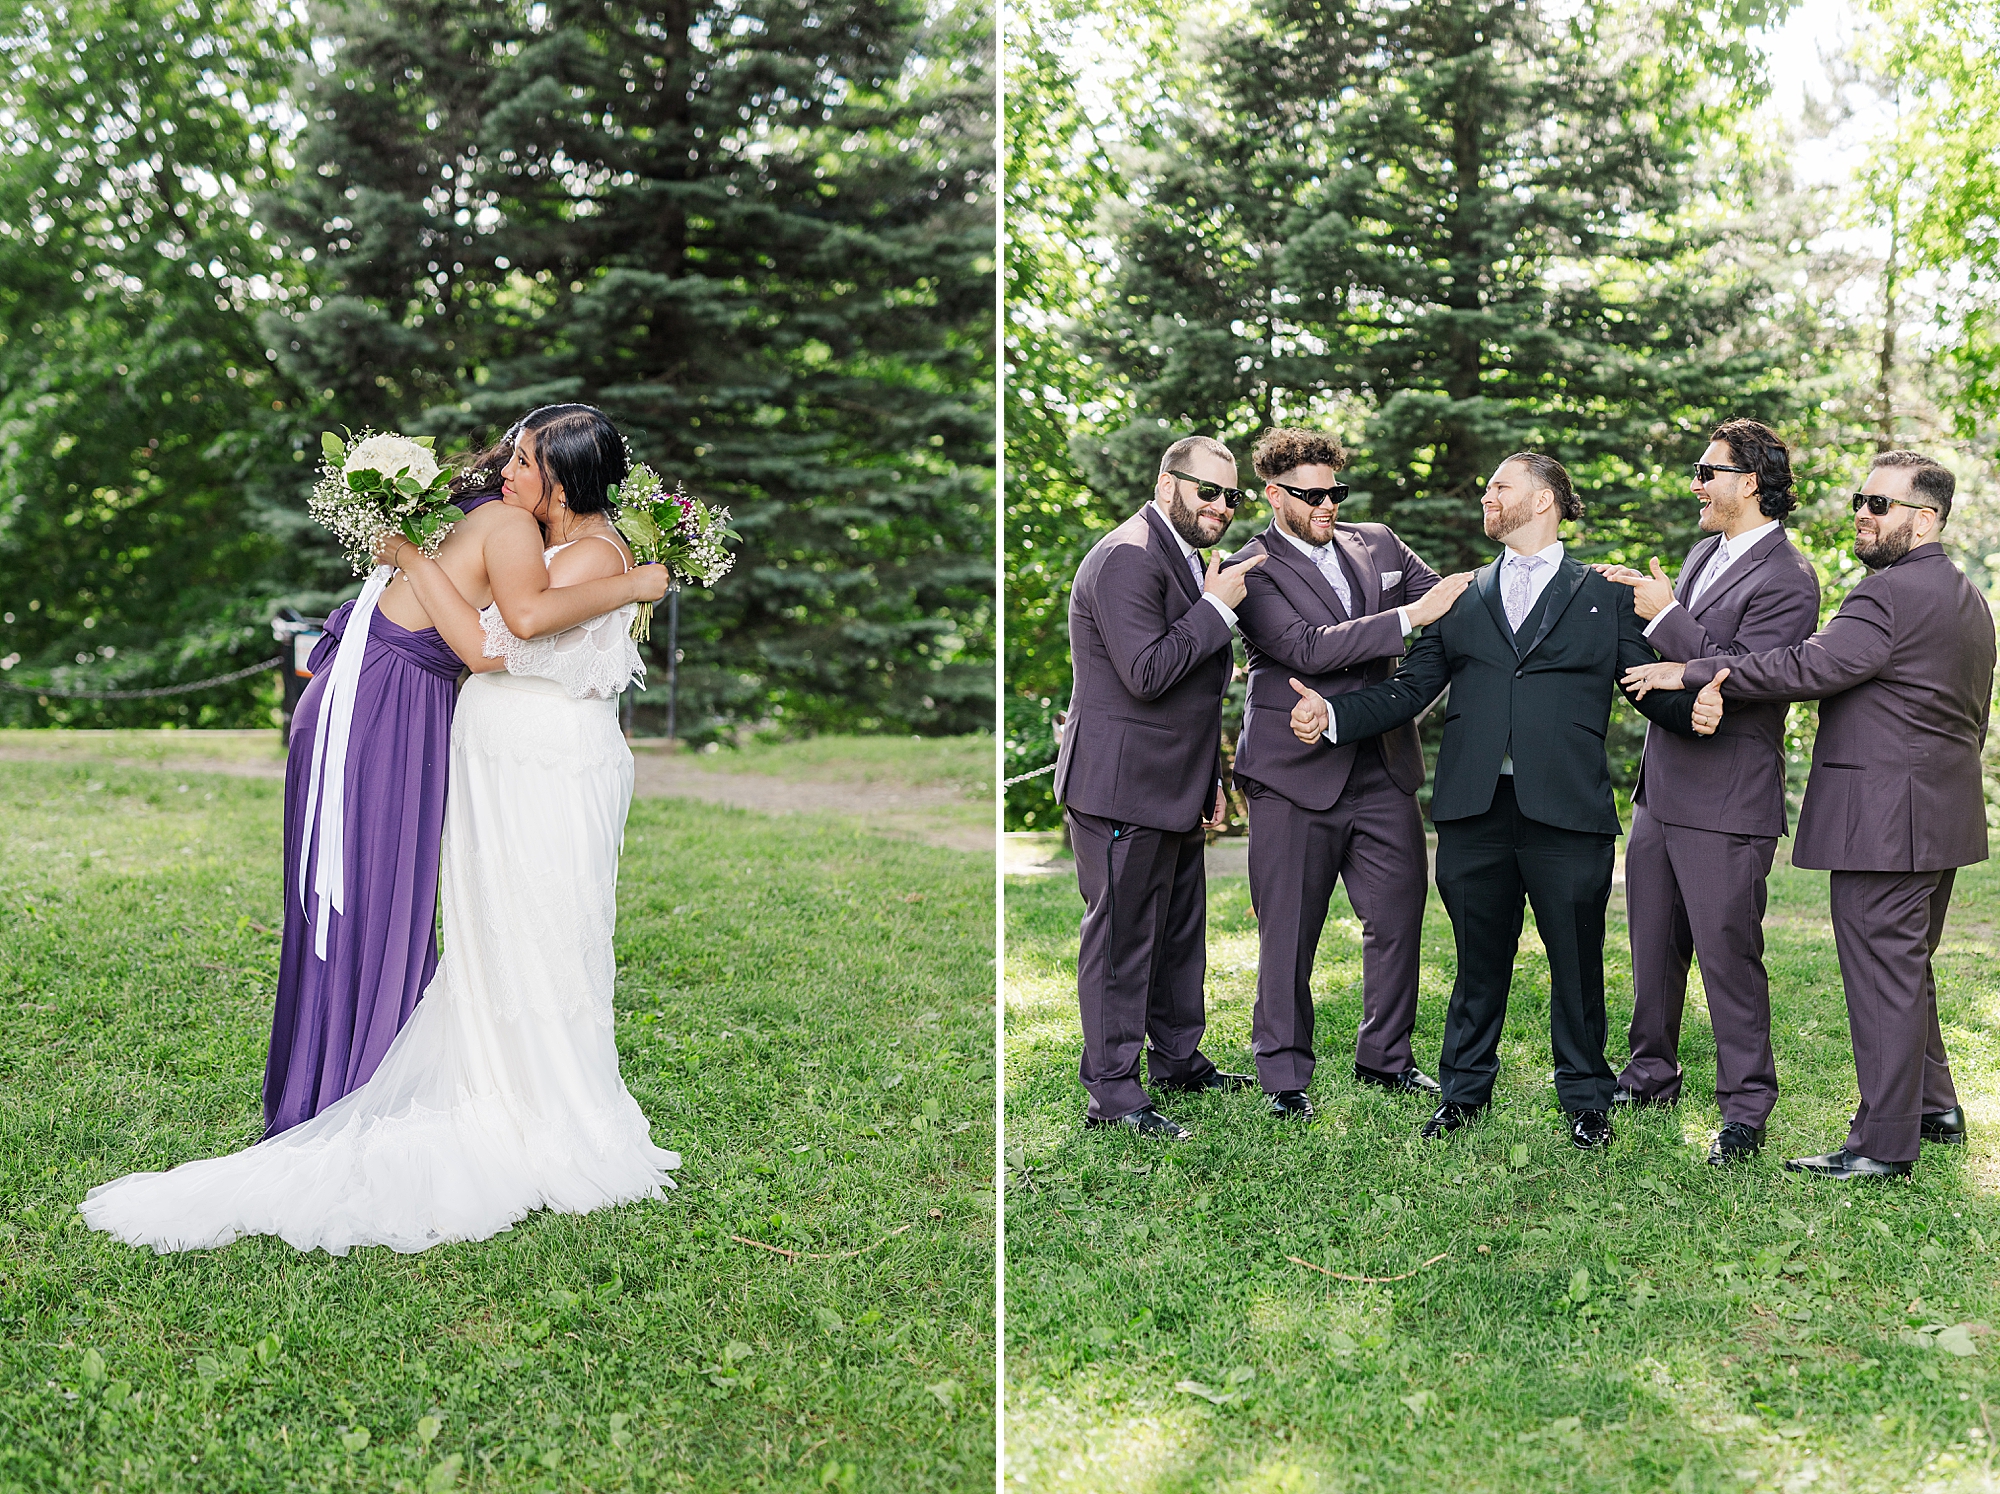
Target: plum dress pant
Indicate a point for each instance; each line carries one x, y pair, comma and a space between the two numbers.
1692, 893
1372, 839
1886, 927
1141, 960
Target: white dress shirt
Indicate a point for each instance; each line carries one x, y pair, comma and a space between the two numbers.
1187, 553
1537, 584
1324, 557
1726, 553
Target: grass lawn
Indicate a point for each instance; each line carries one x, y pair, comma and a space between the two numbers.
805, 1013
919, 762
1626, 1321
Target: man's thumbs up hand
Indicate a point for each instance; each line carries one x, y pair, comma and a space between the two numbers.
1708, 705
1311, 719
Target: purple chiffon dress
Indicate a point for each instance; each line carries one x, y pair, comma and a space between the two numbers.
336, 1017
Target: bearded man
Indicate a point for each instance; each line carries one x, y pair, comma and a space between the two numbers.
1894, 806
1332, 609
1522, 794
1139, 776
1706, 816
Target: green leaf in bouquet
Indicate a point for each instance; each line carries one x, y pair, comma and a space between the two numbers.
638, 527
332, 447
427, 442
407, 485
364, 481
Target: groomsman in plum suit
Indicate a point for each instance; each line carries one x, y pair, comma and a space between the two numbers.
1139, 775
1904, 676
1707, 813
1330, 609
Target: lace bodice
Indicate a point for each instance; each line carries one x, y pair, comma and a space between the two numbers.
595, 658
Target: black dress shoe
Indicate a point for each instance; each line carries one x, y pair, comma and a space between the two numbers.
1147, 1122
1450, 1117
1844, 1166
1945, 1127
1590, 1129
1213, 1079
1627, 1099
1737, 1143
1289, 1104
1408, 1082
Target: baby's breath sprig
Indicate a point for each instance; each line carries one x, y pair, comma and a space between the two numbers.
682, 533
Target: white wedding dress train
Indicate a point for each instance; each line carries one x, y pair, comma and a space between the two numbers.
501, 1095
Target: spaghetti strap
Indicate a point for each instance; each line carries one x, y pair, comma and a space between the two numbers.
555, 550
613, 544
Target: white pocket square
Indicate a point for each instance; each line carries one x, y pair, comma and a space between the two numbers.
1391, 578
1593, 609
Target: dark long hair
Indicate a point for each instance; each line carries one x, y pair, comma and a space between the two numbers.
481, 471
1761, 449
1553, 475
581, 449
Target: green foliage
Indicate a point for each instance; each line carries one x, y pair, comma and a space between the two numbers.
1451, 231
824, 1090
762, 240
131, 375
1610, 1322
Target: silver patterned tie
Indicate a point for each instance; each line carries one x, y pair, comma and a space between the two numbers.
1520, 587
1329, 567
1194, 564
1717, 564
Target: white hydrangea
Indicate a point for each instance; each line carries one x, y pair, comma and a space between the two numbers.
388, 455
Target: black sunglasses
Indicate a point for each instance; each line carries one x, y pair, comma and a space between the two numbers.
1878, 505
1336, 494
1208, 492
1704, 472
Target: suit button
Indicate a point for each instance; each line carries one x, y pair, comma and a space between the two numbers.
1519, 672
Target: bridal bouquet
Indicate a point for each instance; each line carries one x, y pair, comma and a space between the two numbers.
671, 529
374, 482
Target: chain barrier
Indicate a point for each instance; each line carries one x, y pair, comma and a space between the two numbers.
1024, 777
156, 691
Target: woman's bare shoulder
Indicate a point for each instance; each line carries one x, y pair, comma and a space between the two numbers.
589, 560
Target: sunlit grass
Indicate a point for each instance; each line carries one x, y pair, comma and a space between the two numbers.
1736, 1330
805, 1013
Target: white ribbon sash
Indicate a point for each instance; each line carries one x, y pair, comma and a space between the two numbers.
326, 783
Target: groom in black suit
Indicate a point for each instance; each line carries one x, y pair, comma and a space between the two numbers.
1522, 795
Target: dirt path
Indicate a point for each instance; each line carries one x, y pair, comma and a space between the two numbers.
939, 815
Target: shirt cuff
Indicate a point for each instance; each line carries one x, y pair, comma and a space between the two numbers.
1228, 612
1403, 617
1671, 604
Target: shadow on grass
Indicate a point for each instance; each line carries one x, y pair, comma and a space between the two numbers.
1626, 1321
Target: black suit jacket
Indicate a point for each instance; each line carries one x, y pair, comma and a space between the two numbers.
1295, 628
1545, 697
1143, 739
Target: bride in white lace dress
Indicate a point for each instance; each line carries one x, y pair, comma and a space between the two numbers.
501, 1095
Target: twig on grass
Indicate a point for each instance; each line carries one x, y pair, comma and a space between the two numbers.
808, 1255
1343, 1276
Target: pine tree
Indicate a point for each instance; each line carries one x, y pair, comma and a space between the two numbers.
1450, 230
758, 236
133, 386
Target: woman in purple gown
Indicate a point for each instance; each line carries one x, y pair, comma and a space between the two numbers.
336, 1015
